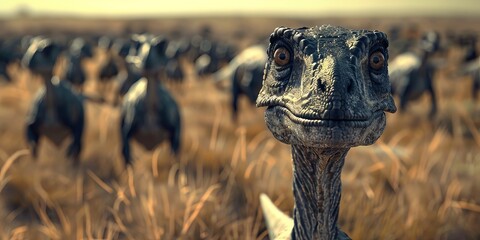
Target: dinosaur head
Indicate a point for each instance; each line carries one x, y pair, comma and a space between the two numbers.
150, 55
121, 47
326, 86
79, 47
430, 41
41, 55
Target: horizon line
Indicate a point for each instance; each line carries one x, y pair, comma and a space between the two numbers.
311, 15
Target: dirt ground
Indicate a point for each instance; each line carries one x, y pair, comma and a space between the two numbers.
419, 181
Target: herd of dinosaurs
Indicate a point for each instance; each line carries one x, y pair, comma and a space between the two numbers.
326, 89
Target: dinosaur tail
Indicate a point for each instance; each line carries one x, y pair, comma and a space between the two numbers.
279, 225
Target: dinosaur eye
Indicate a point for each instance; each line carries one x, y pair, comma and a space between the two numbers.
377, 60
281, 56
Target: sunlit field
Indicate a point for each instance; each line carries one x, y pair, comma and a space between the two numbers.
420, 180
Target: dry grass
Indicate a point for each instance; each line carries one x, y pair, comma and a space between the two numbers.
419, 181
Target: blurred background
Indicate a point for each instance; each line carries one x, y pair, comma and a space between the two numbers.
302, 8
420, 180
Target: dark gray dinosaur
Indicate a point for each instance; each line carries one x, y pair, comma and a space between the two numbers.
466, 42
116, 67
57, 111
208, 54
126, 79
412, 73
471, 52
78, 51
118, 50
470, 64
149, 114
10, 52
129, 74
110, 69
175, 51
245, 72
326, 90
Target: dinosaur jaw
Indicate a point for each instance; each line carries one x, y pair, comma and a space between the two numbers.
292, 129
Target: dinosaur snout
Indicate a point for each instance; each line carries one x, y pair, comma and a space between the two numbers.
332, 79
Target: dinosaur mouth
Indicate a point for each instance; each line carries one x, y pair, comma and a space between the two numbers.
355, 122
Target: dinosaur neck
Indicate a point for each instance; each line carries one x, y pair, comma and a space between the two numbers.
425, 55
317, 190
49, 89
75, 59
151, 95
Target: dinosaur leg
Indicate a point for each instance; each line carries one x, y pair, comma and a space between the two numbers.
126, 133
33, 137
433, 98
76, 146
235, 94
403, 103
175, 139
476, 85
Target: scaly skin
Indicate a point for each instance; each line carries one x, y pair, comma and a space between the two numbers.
328, 92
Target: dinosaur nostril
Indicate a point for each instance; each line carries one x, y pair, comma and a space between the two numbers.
321, 85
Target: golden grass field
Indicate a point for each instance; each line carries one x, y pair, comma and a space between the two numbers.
421, 180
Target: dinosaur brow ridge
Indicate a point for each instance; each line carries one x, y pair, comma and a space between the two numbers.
296, 36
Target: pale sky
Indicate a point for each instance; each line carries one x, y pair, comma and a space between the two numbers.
287, 8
